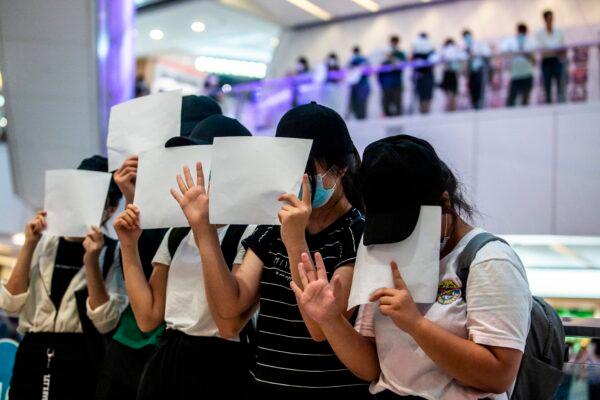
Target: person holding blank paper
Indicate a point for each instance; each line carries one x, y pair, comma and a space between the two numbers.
67, 292
199, 353
459, 347
289, 364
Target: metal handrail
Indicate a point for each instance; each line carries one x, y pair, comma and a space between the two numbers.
582, 327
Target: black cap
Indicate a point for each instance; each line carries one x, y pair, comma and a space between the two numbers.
398, 175
323, 125
194, 109
211, 127
100, 164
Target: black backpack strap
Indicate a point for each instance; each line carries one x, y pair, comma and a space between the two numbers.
466, 257
231, 241
175, 237
109, 255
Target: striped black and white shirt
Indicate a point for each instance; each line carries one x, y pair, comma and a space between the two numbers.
286, 356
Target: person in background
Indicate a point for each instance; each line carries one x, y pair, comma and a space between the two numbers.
68, 291
199, 352
522, 63
478, 55
552, 41
302, 68
330, 95
458, 348
392, 81
212, 87
423, 51
452, 57
359, 85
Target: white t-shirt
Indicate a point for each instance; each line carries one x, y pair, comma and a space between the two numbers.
521, 66
186, 307
497, 313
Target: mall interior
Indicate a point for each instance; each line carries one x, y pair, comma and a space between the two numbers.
506, 91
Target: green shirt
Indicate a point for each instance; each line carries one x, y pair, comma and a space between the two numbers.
129, 334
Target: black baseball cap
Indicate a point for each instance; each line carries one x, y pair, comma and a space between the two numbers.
194, 109
398, 175
211, 127
323, 125
100, 164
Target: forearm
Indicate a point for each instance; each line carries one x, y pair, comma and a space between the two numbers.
97, 293
18, 282
221, 286
468, 362
138, 289
358, 353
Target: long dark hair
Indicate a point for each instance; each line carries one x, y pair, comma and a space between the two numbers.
349, 180
459, 206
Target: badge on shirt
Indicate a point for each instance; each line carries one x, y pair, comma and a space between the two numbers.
448, 292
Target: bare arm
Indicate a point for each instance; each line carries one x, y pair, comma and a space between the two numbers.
93, 244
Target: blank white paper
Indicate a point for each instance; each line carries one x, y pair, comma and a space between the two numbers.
74, 201
142, 124
418, 259
248, 175
157, 172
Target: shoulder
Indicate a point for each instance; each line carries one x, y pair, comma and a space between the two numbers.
501, 260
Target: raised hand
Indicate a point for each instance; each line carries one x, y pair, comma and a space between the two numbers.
397, 303
35, 227
319, 298
127, 225
125, 178
294, 214
93, 244
193, 198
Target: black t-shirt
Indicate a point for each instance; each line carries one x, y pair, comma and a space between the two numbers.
286, 356
68, 261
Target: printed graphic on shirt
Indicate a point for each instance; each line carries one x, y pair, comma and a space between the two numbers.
448, 292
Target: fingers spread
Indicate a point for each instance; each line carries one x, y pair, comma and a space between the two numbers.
188, 177
321, 271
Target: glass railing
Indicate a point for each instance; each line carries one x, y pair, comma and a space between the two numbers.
260, 104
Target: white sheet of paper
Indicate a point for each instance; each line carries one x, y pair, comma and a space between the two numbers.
248, 174
74, 201
142, 124
418, 259
157, 170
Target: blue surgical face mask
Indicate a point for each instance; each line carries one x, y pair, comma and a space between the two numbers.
322, 195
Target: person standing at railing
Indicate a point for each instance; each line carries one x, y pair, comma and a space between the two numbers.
330, 77
360, 87
302, 68
452, 56
391, 81
478, 55
521, 65
422, 49
552, 42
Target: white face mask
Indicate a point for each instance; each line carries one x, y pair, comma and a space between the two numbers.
445, 237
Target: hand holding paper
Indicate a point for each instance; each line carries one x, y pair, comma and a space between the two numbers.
248, 175
192, 196
417, 258
74, 201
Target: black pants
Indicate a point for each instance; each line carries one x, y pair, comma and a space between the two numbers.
120, 376
389, 395
53, 366
391, 100
185, 367
519, 88
552, 71
476, 87
359, 95
272, 392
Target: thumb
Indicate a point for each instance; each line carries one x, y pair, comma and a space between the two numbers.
337, 286
297, 290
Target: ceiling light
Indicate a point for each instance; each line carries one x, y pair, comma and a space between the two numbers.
3, 122
274, 41
368, 4
156, 34
311, 8
227, 66
226, 88
18, 239
425, 1
198, 26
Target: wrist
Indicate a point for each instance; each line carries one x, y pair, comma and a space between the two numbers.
333, 322
417, 326
30, 243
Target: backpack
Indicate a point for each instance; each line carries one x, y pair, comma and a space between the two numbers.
540, 372
229, 247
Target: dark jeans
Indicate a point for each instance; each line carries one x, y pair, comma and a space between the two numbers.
391, 100
389, 395
519, 88
359, 95
552, 71
476, 87
272, 392
122, 370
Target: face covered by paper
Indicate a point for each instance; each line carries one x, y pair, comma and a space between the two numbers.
417, 257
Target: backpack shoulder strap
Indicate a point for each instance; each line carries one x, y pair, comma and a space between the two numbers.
466, 257
229, 245
109, 255
175, 237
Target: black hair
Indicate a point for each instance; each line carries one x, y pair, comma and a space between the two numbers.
459, 206
448, 41
522, 28
349, 180
356, 49
304, 61
547, 13
332, 55
466, 32
424, 34
114, 194
394, 38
